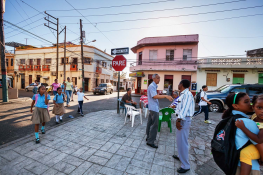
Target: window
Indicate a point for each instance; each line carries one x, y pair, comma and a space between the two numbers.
75, 61
22, 61
211, 79
153, 55
87, 60
254, 91
140, 58
104, 64
38, 61
62, 60
187, 54
48, 60
110, 66
7, 62
120, 83
169, 55
114, 83
102, 81
107, 81
239, 89
30, 61
12, 62
238, 78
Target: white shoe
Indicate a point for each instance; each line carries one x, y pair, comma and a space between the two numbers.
207, 121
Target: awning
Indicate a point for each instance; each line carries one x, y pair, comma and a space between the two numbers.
169, 77
45, 77
136, 74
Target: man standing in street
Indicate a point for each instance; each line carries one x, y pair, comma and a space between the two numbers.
184, 112
203, 104
153, 106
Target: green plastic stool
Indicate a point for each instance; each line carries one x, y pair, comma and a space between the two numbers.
166, 117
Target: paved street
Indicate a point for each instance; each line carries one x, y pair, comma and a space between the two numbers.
99, 143
15, 117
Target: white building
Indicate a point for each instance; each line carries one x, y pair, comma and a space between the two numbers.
216, 72
40, 64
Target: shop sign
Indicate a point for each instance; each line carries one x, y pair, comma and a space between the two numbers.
136, 74
145, 82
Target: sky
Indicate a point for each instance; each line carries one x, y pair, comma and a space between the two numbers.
225, 27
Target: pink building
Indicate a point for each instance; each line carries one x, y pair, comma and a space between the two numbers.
173, 57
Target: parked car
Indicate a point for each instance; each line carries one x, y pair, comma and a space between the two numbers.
103, 88
218, 96
31, 86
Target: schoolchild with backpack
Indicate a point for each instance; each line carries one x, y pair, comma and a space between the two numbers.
59, 108
40, 114
252, 152
229, 140
201, 99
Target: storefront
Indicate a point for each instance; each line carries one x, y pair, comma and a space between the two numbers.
138, 76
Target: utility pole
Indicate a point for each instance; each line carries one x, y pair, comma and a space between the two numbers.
26, 40
82, 61
2, 50
118, 103
65, 40
57, 24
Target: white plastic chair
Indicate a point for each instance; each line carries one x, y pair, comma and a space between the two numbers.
132, 111
145, 110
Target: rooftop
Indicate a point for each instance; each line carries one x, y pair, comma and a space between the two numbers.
166, 40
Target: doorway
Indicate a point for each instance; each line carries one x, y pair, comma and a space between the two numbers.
150, 79
22, 81
97, 82
186, 77
74, 80
168, 81
86, 84
30, 79
139, 84
38, 78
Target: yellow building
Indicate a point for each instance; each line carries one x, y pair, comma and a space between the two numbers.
40, 64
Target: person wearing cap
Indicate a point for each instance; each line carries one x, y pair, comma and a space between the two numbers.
203, 107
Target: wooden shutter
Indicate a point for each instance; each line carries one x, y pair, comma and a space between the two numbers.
211, 79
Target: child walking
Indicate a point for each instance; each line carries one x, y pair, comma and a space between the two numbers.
80, 100
40, 114
59, 109
252, 152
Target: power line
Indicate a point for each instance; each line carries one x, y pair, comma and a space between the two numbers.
22, 32
193, 14
115, 6
149, 11
196, 22
91, 23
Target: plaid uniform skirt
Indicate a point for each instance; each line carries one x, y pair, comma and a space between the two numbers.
40, 115
60, 110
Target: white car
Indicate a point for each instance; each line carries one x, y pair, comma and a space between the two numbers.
31, 86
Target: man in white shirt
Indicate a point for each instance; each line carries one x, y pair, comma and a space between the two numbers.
203, 107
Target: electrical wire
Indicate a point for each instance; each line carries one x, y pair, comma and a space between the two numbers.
160, 10
115, 6
164, 17
91, 23
195, 22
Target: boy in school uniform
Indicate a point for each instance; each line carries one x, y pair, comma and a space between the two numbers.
80, 100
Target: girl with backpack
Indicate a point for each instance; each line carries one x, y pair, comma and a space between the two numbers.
40, 114
229, 140
252, 152
59, 108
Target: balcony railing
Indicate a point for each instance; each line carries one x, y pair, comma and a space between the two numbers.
73, 67
29, 67
46, 68
37, 68
22, 67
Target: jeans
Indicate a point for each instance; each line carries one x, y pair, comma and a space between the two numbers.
80, 107
68, 92
202, 109
55, 93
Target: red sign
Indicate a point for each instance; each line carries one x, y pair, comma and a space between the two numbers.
119, 63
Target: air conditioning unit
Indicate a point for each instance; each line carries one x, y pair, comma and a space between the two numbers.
53, 73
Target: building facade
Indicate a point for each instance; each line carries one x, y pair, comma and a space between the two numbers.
40, 64
216, 72
173, 57
11, 73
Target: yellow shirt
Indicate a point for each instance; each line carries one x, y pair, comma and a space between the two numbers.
259, 124
69, 86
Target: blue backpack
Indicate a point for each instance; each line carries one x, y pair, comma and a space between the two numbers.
62, 96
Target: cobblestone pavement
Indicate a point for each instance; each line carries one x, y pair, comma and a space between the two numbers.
100, 143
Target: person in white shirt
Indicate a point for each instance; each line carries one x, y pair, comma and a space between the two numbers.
80, 100
203, 107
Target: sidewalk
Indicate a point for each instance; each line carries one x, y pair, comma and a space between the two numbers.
100, 143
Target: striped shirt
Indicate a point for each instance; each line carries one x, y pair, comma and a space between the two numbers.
153, 104
175, 102
186, 105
